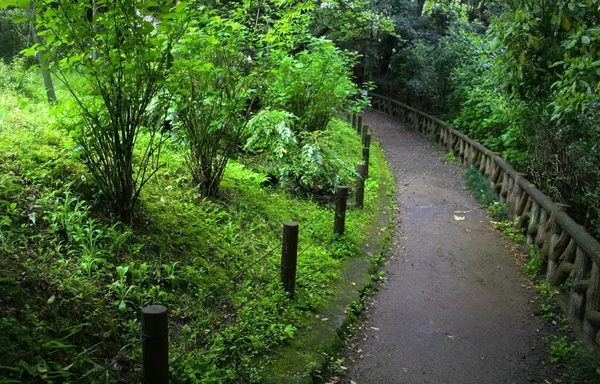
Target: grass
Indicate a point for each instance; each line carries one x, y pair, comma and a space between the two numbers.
74, 282
482, 191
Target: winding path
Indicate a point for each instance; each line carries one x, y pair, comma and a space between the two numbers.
455, 308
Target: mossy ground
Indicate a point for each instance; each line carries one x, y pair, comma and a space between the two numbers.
73, 282
310, 356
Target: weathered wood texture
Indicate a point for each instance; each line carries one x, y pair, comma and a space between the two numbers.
563, 246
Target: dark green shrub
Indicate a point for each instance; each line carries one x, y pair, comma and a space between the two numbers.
13, 37
115, 66
313, 84
485, 195
214, 97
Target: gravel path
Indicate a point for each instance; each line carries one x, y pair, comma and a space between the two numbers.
455, 308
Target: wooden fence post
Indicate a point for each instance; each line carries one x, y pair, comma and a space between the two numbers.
155, 347
366, 155
340, 210
360, 185
364, 133
359, 124
289, 257
354, 121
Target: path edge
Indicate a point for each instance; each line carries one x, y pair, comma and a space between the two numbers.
307, 358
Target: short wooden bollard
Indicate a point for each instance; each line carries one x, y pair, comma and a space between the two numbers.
155, 347
364, 133
367, 140
340, 210
360, 185
354, 121
348, 118
366, 155
359, 124
289, 257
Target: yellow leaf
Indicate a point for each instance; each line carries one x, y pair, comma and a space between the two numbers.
566, 24
523, 57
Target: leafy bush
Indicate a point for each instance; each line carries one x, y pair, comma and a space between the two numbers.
214, 96
115, 66
313, 84
314, 167
487, 113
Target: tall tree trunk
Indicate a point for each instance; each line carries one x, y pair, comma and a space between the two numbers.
419, 8
386, 50
42, 60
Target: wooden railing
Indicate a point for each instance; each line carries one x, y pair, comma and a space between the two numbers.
565, 249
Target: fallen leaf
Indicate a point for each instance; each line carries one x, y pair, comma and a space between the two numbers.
375, 329
459, 218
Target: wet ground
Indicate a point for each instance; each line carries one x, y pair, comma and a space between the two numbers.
455, 307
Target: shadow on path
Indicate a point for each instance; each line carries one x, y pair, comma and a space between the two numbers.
455, 308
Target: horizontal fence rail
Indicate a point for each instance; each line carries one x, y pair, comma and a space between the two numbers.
563, 246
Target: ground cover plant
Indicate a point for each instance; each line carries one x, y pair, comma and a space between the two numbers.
74, 279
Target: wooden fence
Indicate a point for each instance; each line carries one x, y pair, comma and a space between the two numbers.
566, 250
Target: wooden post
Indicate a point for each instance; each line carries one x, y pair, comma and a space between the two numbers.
340, 210
534, 216
592, 306
366, 155
583, 263
354, 121
155, 347
365, 132
360, 185
359, 124
289, 257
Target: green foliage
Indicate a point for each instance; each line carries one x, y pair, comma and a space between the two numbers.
115, 66
451, 157
533, 267
13, 37
16, 78
547, 60
315, 167
73, 282
479, 186
214, 95
486, 113
313, 84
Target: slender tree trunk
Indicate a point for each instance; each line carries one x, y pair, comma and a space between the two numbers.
419, 8
43, 64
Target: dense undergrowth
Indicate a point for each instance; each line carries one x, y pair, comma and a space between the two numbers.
73, 283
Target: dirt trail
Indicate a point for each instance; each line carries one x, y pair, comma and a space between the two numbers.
455, 308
